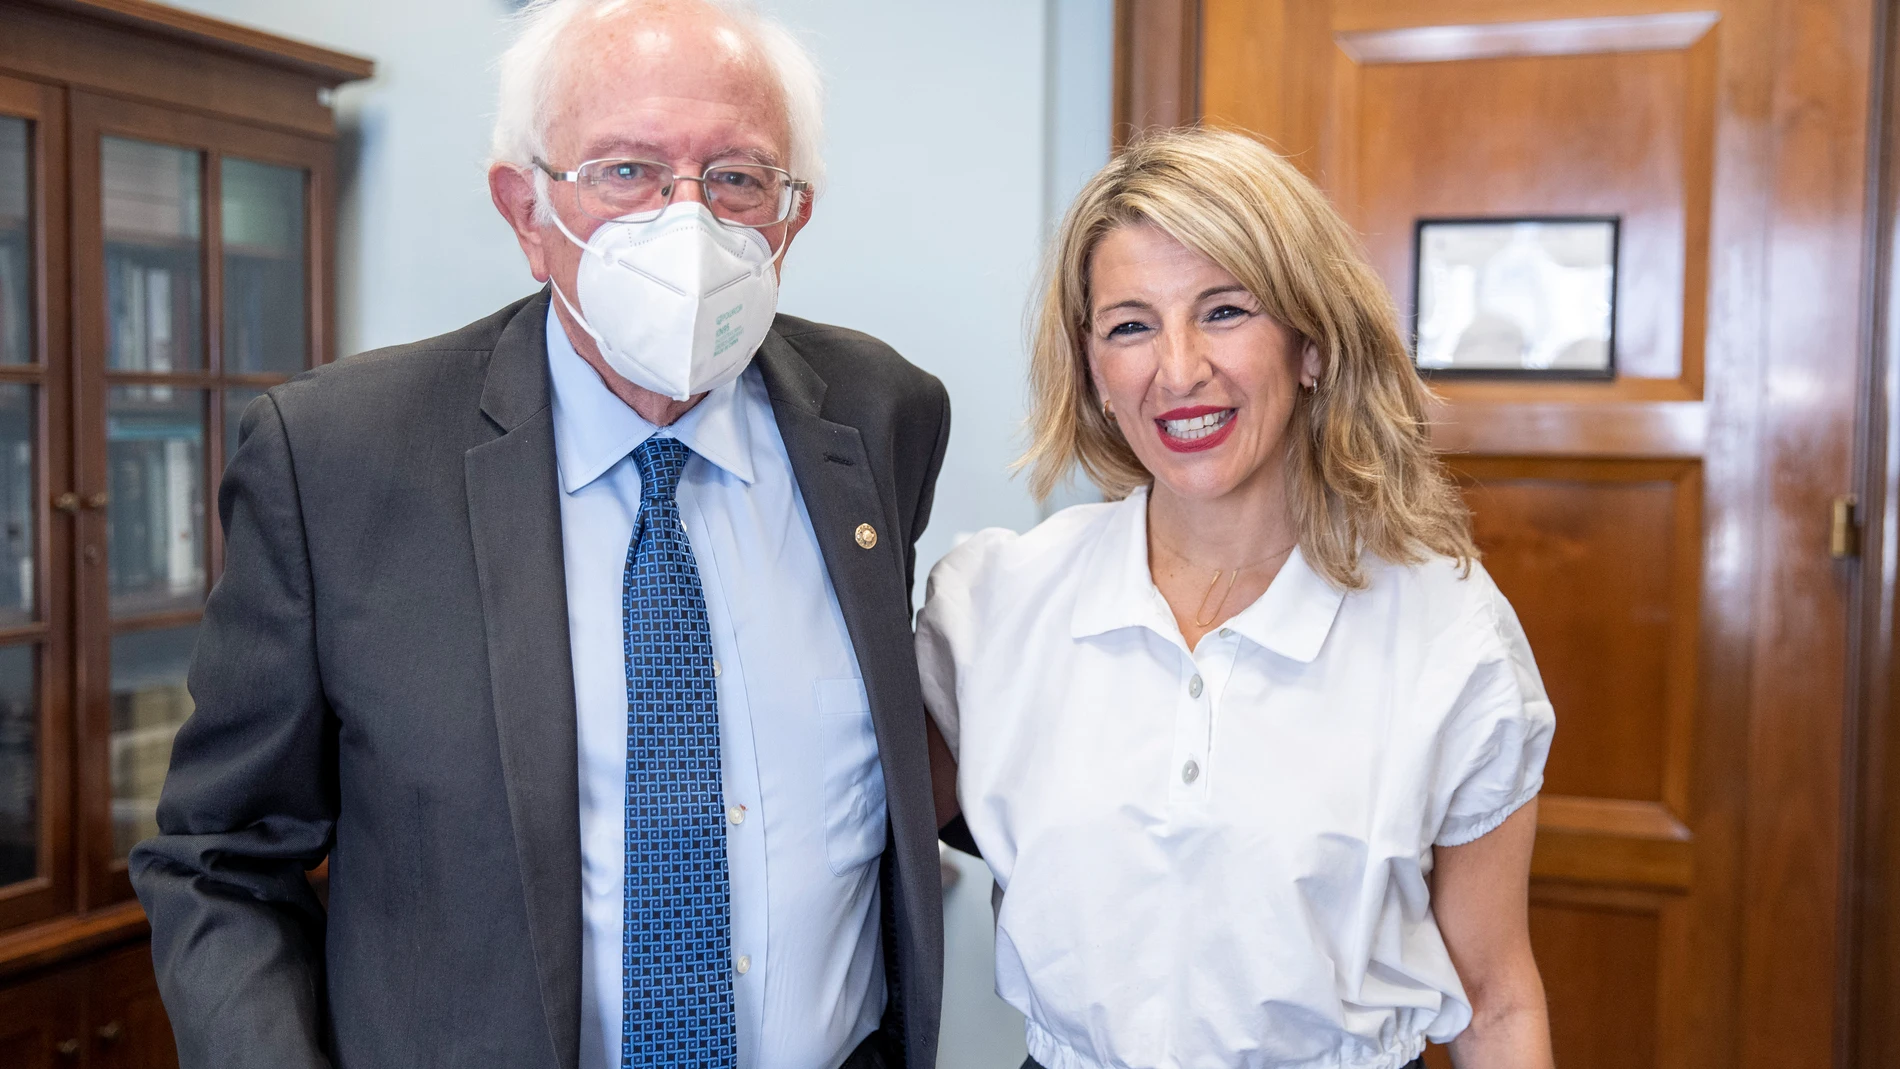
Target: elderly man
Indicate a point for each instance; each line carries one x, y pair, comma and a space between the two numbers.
577, 639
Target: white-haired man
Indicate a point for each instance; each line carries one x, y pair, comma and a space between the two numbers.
577, 639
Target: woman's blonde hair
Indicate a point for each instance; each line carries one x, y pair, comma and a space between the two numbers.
1361, 472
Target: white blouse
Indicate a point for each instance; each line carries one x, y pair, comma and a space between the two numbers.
1218, 857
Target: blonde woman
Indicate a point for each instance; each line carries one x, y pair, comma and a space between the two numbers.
1253, 750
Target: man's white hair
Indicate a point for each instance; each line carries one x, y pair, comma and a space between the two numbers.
529, 65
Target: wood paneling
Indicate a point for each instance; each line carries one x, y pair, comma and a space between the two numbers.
208, 35
1611, 842
1588, 552
39, 1024
1603, 1006
71, 43
1813, 329
1157, 65
126, 1024
1636, 146
1875, 895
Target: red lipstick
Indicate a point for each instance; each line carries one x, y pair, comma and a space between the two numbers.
1194, 445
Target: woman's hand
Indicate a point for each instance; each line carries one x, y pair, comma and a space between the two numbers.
1481, 898
943, 775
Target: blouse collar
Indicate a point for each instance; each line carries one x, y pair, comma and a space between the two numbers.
1292, 618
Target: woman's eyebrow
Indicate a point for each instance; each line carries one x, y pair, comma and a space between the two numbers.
1138, 305
1217, 290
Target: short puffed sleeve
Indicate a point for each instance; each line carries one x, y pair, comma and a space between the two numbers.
1499, 731
947, 627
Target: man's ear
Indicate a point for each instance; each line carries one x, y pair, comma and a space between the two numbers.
792, 227
512, 190
803, 215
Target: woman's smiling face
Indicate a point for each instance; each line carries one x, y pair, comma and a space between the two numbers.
1202, 382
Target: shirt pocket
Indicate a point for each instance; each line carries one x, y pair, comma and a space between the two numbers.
854, 781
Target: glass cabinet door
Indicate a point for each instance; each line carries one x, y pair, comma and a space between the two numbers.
34, 425
204, 253
19, 717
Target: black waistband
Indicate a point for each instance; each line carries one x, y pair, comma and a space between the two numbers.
1031, 1063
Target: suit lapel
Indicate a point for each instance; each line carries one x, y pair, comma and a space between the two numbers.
515, 522
841, 492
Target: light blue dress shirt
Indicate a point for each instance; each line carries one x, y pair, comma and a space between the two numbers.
805, 817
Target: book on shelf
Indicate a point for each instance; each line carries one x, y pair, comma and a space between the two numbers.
143, 308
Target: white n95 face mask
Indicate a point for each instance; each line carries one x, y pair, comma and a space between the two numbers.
679, 303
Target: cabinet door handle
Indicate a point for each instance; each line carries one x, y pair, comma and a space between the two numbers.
110, 1032
68, 1048
67, 502
98, 500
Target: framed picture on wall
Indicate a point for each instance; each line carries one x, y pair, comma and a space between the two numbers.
1527, 297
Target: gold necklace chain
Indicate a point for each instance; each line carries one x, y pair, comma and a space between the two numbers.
1233, 578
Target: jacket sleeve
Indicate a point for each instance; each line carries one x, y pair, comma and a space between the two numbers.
250, 802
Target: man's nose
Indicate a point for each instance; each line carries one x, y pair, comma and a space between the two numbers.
684, 188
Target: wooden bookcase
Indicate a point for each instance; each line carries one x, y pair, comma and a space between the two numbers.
167, 215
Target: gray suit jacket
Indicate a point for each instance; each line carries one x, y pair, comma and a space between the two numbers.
383, 678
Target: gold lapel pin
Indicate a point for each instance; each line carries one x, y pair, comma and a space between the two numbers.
867, 536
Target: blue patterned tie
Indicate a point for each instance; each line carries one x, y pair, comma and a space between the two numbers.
677, 973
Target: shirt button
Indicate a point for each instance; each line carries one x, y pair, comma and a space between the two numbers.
743, 965
716, 669
1227, 632
1190, 771
1194, 687
735, 815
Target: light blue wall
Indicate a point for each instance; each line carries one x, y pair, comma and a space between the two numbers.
958, 129
1002, 106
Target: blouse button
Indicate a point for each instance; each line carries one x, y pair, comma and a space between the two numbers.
1227, 632
1194, 687
1190, 771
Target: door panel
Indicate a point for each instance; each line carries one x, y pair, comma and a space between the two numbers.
125, 1020
1663, 534
40, 1023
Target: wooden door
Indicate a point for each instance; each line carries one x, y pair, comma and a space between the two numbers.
1664, 534
35, 544
201, 278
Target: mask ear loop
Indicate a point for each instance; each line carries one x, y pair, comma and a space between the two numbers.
586, 250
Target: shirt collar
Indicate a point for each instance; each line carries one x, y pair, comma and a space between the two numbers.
594, 430
1292, 618
1296, 613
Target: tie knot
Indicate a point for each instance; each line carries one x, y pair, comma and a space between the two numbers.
660, 461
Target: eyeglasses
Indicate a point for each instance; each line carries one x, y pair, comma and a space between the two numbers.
739, 194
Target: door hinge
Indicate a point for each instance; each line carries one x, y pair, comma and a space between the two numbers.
1844, 538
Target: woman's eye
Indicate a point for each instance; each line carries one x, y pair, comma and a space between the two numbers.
1124, 330
1226, 311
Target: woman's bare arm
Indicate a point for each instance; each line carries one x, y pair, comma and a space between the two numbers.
1481, 898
